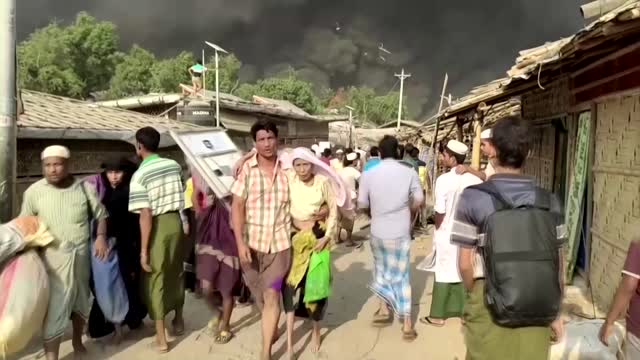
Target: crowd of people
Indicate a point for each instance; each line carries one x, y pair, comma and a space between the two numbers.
289, 204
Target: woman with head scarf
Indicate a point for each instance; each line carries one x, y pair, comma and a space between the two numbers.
314, 215
217, 262
112, 187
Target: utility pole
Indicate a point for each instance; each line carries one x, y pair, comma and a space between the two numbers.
401, 76
8, 111
350, 125
204, 74
217, 49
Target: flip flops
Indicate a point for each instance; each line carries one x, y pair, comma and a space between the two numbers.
223, 337
427, 321
410, 335
380, 320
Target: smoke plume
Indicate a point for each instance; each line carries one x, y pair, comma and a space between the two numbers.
337, 43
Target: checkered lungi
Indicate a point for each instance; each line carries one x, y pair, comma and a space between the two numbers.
391, 265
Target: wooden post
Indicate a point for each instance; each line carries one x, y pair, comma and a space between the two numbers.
599, 7
475, 156
459, 132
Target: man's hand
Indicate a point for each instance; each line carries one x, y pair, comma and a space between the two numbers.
144, 262
321, 244
557, 329
244, 253
101, 248
462, 169
321, 214
237, 167
605, 332
27, 225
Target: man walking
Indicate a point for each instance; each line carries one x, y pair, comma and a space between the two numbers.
66, 206
391, 191
156, 193
447, 298
262, 227
486, 218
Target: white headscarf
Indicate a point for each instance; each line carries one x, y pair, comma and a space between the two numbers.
339, 188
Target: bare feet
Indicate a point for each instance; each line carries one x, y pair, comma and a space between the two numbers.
79, 351
317, 340
117, 336
159, 348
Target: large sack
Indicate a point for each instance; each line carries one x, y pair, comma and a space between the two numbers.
110, 291
23, 301
581, 342
22, 233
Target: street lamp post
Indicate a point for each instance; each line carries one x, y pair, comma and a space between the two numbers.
217, 49
8, 108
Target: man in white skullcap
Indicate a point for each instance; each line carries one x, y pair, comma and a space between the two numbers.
448, 292
337, 162
67, 207
487, 148
350, 175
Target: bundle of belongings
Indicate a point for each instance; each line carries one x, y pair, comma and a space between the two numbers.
24, 281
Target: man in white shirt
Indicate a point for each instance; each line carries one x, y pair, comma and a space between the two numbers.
487, 148
350, 175
448, 292
336, 163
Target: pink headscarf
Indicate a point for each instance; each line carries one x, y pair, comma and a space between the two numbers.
339, 188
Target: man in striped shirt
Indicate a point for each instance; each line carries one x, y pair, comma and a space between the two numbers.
262, 227
156, 193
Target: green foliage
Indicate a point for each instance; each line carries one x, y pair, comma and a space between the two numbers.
70, 61
133, 75
167, 74
228, 69
378, 109
290, 88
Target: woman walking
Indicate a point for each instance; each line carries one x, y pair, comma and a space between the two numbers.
112, 187
217, 263
314, 215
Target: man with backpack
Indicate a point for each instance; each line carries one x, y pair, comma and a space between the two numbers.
510, 237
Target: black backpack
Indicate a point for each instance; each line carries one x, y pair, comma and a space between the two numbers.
521, 259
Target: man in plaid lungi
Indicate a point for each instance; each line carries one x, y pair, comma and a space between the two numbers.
391, 191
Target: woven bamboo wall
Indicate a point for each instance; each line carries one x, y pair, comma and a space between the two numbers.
616, 197
540, 163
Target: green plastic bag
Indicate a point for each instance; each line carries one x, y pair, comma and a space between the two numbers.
318, 284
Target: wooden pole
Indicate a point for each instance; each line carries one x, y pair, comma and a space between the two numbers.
434, 173
475, 156
459, 132
8, 109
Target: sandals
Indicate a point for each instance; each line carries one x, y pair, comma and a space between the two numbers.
223, 337
380, 320
410, 335
212, 327
427, 321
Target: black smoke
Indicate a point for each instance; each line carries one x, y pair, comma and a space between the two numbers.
337, 43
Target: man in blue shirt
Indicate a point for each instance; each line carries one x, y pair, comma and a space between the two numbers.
374, 158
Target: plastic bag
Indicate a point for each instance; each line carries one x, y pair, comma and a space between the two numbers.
318, 284
581, 342
23, 301
110, 291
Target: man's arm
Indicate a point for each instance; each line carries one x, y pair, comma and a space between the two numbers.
461, 169
363, 196
440, 202
146, 218
465, 266
417, 194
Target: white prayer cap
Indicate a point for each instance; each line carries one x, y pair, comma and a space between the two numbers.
352, 156
56, 151
339, 151
315, 147
486, 134
457, 147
